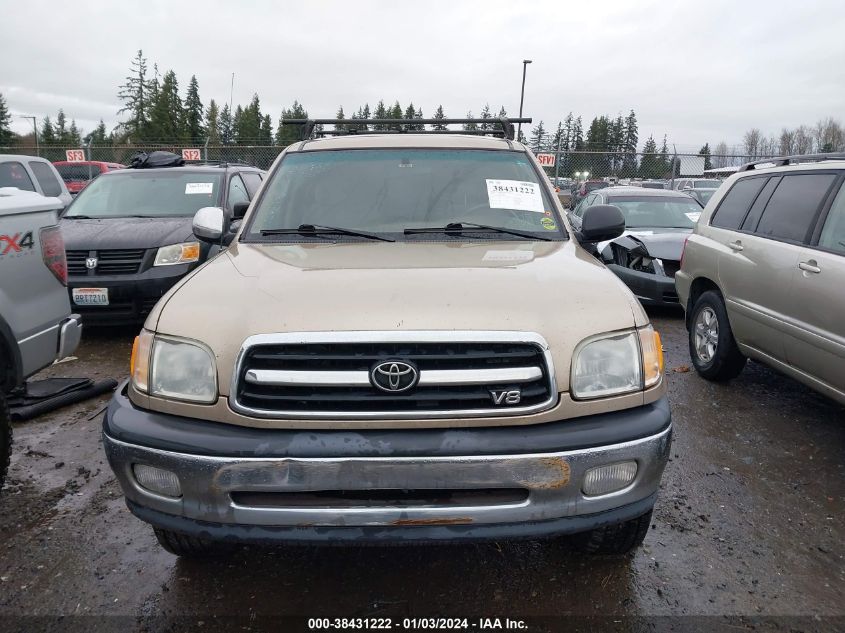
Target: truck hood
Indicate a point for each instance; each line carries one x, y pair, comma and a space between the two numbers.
661, 243
110, 233
555, 289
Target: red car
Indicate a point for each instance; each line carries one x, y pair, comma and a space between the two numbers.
78, 174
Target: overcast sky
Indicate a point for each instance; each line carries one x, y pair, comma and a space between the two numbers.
693, 70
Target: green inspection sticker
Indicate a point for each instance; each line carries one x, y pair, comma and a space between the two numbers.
548, 224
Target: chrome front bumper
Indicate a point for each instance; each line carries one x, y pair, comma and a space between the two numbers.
70, 333
550, 484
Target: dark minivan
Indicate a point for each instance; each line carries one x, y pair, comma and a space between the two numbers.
128, 234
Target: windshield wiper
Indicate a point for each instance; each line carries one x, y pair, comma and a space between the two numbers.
458, 227
318, 229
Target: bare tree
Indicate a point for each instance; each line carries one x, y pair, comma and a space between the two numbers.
720, 153
829, 135
803, 140
787, 142
751, 142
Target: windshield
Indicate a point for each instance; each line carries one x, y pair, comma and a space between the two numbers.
704, 195
389, 190
658, 211
147, 194
706, 184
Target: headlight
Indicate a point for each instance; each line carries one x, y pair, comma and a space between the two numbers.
617, 363
177, 254
174, 368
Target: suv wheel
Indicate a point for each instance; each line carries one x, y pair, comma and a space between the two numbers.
712, 347
5, 438
615, 539
187, 546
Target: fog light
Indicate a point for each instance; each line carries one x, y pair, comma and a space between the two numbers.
606, 479
161, 482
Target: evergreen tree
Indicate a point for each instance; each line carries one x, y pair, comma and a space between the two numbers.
266, 130
629, 146
99, 136
365, 114
340, 127
650, 166
194, 113
395, 113
577, 141
225, 125
61, 128
212, 126
616, 143
135, 100
6, 134
290, 133
705, 151
409, 114
598, 162
248, 123
537, 142
470, 127
73, 136
418, 115
48, 132
237, 125
380, 113
166, 122
439, 115
485, 114
665, 165
503, 113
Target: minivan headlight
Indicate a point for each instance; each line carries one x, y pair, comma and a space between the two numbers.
177, 254
174, 368
617, 363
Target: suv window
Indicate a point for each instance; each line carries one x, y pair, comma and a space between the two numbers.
833, 233
13, 174
46, 178
735, 204
237, 192
252, 180
791, 211
753, 217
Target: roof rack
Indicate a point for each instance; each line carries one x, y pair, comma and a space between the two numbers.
502, 127
781, 161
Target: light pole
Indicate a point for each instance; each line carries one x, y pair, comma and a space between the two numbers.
525, 63
34, 129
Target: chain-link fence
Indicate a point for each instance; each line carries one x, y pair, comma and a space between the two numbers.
574, 165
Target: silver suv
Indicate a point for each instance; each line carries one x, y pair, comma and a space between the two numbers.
36, 326
763, 273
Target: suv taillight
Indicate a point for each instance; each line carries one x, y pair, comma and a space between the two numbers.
53, 252
684, 250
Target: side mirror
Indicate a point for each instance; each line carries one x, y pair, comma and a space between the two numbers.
209, 224
601, 222
239, 210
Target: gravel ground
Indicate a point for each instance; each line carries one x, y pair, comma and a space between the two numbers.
748, 524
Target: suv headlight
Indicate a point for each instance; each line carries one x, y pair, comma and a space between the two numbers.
174, 368
177, 254
617, 363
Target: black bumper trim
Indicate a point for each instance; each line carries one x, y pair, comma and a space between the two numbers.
127, 423
311, 535
650, 289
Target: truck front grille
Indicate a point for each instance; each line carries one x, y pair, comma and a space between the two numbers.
124, 261
292, 377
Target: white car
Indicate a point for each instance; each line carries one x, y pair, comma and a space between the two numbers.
32, 173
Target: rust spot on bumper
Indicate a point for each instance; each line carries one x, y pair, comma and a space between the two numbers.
557, 475
440, 521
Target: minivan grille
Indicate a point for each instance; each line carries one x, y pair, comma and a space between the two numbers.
124, 261
452, 378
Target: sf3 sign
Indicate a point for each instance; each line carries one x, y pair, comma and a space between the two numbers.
191, 154
75, 155
546, 160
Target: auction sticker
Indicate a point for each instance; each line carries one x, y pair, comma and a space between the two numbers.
198, 187
514, 194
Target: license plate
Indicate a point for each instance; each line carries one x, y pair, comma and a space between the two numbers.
90, 296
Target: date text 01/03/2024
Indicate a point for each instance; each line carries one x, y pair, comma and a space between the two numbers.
480, 624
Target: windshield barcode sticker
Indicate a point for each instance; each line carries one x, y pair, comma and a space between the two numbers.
198, 187
514, 194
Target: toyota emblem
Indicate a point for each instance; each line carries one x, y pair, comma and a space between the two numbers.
394, 376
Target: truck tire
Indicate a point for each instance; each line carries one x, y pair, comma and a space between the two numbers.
712, 347
615, 539
187, 546
5, 438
